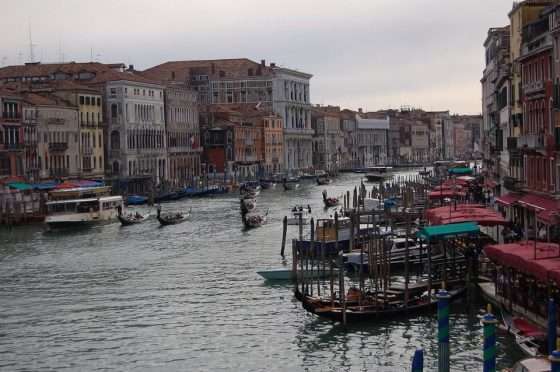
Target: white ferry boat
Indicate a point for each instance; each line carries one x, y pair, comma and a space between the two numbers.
82, 206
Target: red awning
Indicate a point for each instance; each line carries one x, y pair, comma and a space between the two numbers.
508, 199
465, 213
521, 257
538, 203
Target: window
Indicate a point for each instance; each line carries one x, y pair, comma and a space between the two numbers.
81, 100
99, 100
87, 101
113, 110
100, 141
125, 91
113, 92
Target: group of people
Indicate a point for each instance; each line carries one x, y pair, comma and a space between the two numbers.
512, 232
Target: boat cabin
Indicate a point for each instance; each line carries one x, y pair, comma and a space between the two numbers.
532, 365
87, 205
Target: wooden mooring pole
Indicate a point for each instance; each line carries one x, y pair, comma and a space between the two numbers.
284, 230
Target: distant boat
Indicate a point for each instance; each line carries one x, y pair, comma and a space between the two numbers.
252, 220
379, 174
287, 274
136, 200
323, 180
268, 184
171, 218
291, 183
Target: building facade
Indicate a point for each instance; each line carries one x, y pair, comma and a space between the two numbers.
273, 144
11, 135
183, 136
372, 136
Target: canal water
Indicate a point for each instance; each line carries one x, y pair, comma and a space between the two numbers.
187, 297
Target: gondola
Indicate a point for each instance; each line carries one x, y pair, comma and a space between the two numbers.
252, 220
290, 184
329, 202
369, 308
171, 219
248, 204
132, 219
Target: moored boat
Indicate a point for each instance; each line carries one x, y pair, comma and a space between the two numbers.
136, 200
288, 274
323, 180
300, 214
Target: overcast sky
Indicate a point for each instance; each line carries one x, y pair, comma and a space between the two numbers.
370, 53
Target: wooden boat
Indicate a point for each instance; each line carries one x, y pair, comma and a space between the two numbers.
287, 274
248, 204
370, 308
132, 218
171, 219
323, 180
136, 200
329, 202
529, 337
290, 183
252, 220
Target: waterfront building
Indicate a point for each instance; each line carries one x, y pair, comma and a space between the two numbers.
183, 136
136, 137
89, 102
420, 142
328, 139
273, 144
56, 136
11, 135
349, 153
372, 140
242, 82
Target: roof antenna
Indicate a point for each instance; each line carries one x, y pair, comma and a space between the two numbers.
31, 45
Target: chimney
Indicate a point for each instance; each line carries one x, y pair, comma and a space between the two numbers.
263, 62
272, 64
360, 110
130, 67
213, 68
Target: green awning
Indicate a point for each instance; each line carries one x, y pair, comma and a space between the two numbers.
20, 186
460, 171
444, 231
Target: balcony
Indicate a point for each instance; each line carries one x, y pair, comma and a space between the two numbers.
531, 141
533, 87
298, 131
58, 146
58, 172
88, 151
14, 146
512, 143
55, 121
10, 116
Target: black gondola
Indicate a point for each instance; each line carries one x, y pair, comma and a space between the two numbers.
171, 219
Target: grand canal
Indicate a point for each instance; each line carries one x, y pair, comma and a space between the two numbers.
187, 297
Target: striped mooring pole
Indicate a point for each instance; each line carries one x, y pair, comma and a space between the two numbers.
489, 352
443, 330
551, 326
418, 361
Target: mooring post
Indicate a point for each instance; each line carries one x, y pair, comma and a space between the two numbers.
443, 330
418, 361
489, 352
552, 323
294, 265
555, 361
284, 230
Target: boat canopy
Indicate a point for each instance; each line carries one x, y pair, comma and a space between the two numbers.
20, 186
540, 259
547, 209
450, 230
465, 213
446, 193
460, 171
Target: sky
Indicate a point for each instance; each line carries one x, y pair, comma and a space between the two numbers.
370, 54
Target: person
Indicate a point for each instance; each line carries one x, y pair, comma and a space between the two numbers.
506, 234
308, 208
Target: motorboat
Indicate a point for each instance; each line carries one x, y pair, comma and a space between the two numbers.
379, 174
291, 183
288, 274
541, 364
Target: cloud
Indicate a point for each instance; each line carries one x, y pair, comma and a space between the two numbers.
370, 53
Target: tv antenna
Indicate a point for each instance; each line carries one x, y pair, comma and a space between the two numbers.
31, 45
